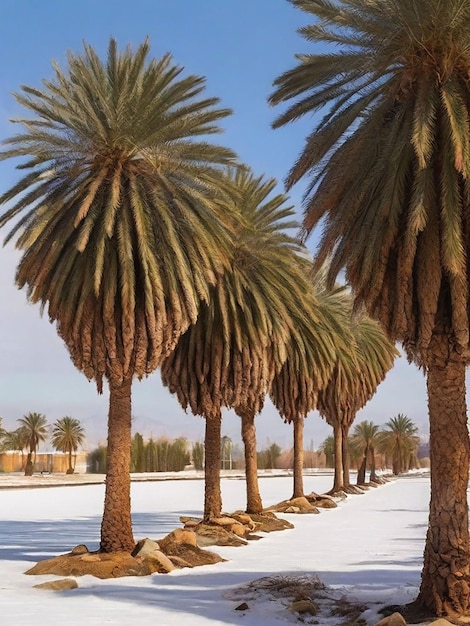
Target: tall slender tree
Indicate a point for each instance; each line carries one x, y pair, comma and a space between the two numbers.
352, 384
229, 357
295, 388
388, 166
121, 220
399, 440
34, 428
67, 435
365, 436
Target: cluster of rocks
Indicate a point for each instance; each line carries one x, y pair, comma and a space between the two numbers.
183, 547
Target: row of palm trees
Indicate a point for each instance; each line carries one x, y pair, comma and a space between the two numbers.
387, 167
148, 253
397, 442
66, 435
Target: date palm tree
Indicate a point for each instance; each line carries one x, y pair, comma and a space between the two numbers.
365, 436
67, 435
388, 166
229, 357
352, 384
121, 220
295, 388
399, 441
16, 440
34, 428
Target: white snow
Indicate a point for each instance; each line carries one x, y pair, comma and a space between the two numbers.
369, 550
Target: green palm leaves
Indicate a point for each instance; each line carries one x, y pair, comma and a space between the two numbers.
121, 213
67, 435
389, 159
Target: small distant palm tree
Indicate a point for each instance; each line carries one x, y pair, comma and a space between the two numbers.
16, 440
328, 449
35, 430
399, 440
366, 436
67, 435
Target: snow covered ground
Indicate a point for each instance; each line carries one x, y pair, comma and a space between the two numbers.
369, 550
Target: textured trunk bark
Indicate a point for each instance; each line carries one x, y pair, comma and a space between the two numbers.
253, 497
298, 457
346, 455
361, 474
116, 525
29, 467
212, 494
373, 475
338, 480
445, 579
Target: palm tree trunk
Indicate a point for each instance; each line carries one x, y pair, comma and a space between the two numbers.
373, 475
338, 480
253, 497
70, 470
361, 474
29, 467
445, 579
212, 494
346, 456
298, 457
116, 525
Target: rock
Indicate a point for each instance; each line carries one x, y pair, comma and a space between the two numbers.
179, 562
144, 547
395, 619
303, 606
184, 519
238, 529
267, 522
214, 535
179, 535
242, 607
296, 505
62, 584
244, 519
223, 521
192, 555
100, 565
321, 502
80, 549
191, 523
181, 546
162, 562
440, 622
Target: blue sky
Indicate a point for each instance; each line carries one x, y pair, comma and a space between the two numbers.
240, 46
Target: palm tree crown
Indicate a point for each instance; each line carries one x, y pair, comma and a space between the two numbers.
118, 213
35, 430
395, 91
67, 434
399, 440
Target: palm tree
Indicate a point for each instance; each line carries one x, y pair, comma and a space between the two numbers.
328, 449
229, 357
120, 218
399, 441
365, 436
352, 385
388, 166
67, 435
34, 428
16, 440
294, 391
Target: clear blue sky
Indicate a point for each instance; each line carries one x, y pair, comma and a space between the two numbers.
240, 46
